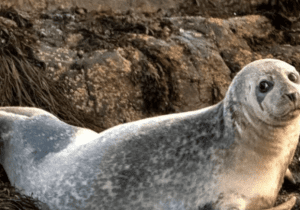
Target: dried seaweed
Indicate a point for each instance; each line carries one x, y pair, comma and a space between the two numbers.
23, 79
12, 199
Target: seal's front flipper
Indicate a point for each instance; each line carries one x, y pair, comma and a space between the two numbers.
289, 176
288, 205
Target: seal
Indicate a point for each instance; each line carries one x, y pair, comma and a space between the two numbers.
233, 155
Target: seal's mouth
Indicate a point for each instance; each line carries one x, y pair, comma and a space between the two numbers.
295, 109
292, 113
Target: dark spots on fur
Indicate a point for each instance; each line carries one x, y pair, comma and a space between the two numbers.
45, 138
132, 169
205, 127
205, 141
129, 177
5, 126
128, 181
221, 125
208, 206
186, 156
188, 153
180, 150
243, 123
169, 163
138, 152
133, 197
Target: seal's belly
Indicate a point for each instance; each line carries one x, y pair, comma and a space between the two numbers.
252, 189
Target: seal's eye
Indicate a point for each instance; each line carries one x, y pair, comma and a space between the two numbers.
264, 86
293, 77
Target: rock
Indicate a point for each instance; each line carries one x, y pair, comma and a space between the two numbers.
229, 6
154, 74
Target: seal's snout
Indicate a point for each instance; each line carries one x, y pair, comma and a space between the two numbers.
292, 97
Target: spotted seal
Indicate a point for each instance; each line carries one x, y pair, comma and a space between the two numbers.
232, 155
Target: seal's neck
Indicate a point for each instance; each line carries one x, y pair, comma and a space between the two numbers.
275, 138
253, 133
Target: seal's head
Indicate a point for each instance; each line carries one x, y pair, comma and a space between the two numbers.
267, 89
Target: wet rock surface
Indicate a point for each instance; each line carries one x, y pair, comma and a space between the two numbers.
116, 67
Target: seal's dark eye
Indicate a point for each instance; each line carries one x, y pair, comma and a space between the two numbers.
264, 86
293, 77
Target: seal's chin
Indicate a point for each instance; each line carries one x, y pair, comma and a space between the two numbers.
291, 114
282, 118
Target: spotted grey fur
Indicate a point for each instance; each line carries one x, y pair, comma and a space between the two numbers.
221, 157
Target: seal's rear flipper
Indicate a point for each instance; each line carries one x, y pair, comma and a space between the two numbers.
289, 176
288, 205
25, 111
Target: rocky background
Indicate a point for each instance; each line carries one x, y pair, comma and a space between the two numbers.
103, 63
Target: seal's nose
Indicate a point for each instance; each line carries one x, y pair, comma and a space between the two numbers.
292, 96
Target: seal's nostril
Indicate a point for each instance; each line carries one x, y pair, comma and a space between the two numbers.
292, 96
